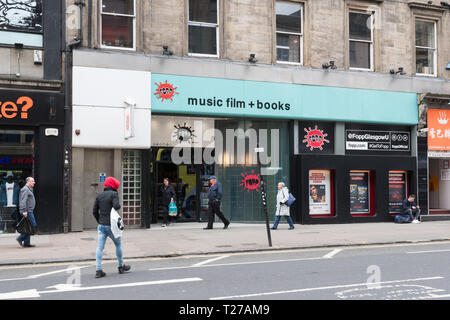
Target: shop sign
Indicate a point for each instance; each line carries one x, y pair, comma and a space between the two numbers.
438, 154
250, 181
369, 140
15, 160
397, 190
438, 129
359, 192
319, 192
316, 137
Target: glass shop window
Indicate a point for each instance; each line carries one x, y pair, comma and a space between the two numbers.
362, 192
321, 193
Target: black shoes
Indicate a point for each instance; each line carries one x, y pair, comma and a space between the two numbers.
29, 245
99, 274
291, 228
124, 268
20, 242
207, 228
273, 228
226, 226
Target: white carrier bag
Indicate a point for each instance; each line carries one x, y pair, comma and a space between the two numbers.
117, 225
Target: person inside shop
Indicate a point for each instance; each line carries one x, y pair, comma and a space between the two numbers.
410, 208
181, 195
167, 194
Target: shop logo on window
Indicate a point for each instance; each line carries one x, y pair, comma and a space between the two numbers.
165, 91
250, 181
183, 133
315, 138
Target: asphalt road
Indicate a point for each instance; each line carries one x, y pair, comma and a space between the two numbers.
394, 272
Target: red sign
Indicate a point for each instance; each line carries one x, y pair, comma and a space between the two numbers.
315, 138
165, 91
251, 181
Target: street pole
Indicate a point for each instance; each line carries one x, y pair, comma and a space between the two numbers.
263, 196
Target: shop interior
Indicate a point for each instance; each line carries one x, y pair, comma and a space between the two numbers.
439, 186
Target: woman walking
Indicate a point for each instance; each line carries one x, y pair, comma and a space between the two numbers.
282, 208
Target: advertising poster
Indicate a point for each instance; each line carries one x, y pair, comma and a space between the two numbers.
359, 192
397, 190
319, 192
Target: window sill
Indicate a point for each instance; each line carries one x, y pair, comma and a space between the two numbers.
361, 69
426, 75
290, 63
117, 48
201, 55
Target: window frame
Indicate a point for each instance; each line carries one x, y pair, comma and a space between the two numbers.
301, 34
434, 74
205, 25
102, 46
371, 42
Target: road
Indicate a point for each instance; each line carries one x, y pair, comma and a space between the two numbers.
388, 272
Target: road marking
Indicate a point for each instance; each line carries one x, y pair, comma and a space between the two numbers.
331, 254
208, 261
320, 288
235, 264
429, 251
43, 274
60, 288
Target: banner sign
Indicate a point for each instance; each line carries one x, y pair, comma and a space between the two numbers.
368, 140
438, 129
319, 192
397, 190
359, 192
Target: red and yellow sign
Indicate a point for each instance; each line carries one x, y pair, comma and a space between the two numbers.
438, 129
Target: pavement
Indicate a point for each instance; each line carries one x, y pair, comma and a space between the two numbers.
180, 239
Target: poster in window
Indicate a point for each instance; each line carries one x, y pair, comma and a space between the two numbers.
319, 192
359, 192
397, 190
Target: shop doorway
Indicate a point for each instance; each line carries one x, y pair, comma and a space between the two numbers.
16, 164
190, 182
439, 186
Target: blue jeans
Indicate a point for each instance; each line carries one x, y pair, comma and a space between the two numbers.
26, 237
103, 233
277, 220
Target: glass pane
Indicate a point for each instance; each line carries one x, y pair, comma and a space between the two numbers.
202, 40
118, 6
425, 33
289, 17
424, 61
21, 15
360, 26
117, 31
360, 192
203, 11
359, 55
288, 47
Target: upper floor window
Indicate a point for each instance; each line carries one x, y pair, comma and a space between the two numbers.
118, 24
425, 47
289, 20
361, 40
21, 22
203, 28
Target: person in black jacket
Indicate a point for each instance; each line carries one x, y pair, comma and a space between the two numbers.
167, 193
103, 204
410, 207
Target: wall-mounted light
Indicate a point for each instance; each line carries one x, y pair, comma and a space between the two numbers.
445, 4
252, 58
77, 132
166, 51
329, 65
399, 71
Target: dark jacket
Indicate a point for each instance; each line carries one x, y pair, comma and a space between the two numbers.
408, 205
215, 192
103, 204
167, 193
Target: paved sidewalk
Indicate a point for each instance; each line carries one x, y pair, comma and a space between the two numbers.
190, 238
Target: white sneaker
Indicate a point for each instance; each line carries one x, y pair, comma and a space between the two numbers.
415, 221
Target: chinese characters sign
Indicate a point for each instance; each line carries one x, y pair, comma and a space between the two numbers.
438, 129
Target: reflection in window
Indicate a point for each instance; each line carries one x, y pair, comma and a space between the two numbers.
289, 31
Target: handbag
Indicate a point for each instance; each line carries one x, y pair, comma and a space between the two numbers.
173, 211
26, 227
117, 225
291, 200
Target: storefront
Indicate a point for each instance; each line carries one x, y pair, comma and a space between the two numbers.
31, 144
310, 138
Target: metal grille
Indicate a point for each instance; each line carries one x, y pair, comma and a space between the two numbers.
131, 189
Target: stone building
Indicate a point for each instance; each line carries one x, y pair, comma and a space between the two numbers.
350, 66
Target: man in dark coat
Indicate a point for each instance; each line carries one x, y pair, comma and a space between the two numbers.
214, 198
167, 193
103, 204
410, 207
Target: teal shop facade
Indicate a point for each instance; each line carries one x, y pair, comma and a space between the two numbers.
348, 155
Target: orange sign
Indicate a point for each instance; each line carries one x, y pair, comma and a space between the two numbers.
438, 129
10, 109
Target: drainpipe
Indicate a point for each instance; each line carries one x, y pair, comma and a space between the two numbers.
68, 112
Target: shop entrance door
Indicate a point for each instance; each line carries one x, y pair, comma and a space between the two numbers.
439, 186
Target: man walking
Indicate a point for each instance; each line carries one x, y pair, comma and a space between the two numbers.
103, 204
27, 202
214, 198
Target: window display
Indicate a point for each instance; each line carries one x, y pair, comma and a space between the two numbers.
320, 192
361, 192
397, 190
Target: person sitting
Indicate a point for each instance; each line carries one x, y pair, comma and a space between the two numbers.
410, 208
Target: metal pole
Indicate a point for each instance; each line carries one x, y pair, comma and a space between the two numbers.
264, 201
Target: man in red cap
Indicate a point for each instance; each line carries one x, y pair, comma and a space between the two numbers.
104, 202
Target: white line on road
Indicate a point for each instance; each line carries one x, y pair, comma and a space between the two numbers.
43, 274
208, 261
331, 254
429, 251
321, 288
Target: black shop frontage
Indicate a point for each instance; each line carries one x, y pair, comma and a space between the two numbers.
32, 144
350, 172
